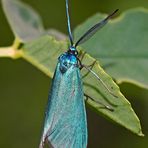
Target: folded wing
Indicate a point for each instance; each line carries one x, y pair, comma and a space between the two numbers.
65, 122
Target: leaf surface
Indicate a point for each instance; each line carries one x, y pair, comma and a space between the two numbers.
25, 23
121, 46
44, 52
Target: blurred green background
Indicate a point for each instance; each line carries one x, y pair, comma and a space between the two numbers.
24, 89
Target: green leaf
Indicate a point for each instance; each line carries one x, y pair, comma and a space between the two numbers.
121, 46
44, 53
24, 21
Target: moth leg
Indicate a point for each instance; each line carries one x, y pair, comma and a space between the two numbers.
81, 56
89, 66
103, 105
98, 78
89, 69
82, 66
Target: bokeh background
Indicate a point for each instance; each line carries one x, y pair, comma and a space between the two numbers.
24, 89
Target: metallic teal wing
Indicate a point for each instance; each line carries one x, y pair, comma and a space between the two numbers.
65, 120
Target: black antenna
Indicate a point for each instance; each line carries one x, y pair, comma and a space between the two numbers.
68, 23
94, 29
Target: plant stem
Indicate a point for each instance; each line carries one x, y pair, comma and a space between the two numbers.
9, 52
